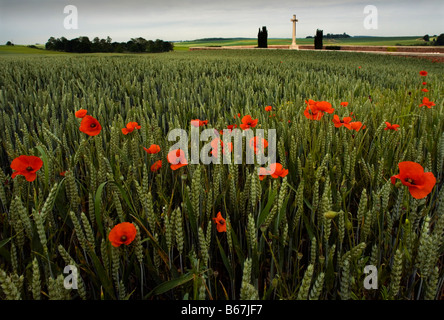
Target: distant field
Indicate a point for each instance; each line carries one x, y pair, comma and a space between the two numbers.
373, 41
17, 49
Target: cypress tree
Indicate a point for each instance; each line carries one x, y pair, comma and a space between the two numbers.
318, 39
262, 38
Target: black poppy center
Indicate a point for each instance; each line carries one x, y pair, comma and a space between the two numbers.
410, 181
29, 169
221, 222
93, 125
123, 238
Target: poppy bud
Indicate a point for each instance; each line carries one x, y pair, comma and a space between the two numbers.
407, 222
274, 282
300, 255
321, 259
349, 225
330, 214
398, 184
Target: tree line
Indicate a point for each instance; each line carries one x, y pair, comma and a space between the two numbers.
84, 45
333, 36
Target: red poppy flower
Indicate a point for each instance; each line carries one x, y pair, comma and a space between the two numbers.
312, 112
153, 149
426, 102
268, 108
357, 126
262, 173
198, 123
423, 73
412, 175
344, 122
177, 159
81, 113
359, 67
276, 170
123, 233
424, 83
63, 173
220, 222
391, 126
324, 106
26, 166
238, 115
248, 122
232, 126
156, 166
258, 144
344, 104
130, 126
90, 126
425, 90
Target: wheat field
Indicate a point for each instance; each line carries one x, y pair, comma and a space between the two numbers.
308, 233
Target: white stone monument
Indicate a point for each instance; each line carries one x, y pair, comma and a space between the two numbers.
293, 45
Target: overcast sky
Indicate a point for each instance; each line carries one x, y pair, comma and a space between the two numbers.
34, 21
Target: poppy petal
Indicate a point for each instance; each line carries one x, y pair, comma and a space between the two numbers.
420, 192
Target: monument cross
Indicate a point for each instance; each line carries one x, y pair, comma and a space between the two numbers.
293, 43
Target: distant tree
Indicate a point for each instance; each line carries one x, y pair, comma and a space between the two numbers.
426, 38
318, 39
84, 45
50, 45
336, 36
9, 43
440, 40
95, 46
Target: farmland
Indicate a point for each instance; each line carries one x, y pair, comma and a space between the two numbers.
306, 234
358, 41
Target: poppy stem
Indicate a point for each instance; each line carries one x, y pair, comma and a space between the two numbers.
141, 279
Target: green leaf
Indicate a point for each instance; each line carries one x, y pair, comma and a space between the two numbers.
5, 241
167, 286
100, 271
264, 213
225, 260
97, 206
